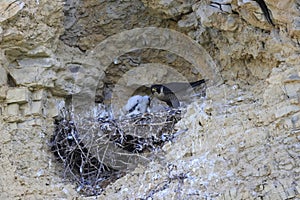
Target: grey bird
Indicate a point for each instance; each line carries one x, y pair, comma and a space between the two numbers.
168, 92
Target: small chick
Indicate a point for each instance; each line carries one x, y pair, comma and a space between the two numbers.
137, 105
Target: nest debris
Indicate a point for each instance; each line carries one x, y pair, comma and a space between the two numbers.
97, 151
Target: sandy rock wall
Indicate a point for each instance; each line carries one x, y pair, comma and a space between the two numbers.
29, 37
242, 141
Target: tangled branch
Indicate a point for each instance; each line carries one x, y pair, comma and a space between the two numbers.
97, 151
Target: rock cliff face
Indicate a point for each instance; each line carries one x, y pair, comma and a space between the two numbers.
243, 141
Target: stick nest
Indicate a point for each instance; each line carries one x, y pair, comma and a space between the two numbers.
96, 151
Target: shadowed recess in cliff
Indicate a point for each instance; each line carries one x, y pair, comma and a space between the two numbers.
117, 45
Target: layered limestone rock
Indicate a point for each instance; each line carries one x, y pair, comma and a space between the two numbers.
236, 147
242, 140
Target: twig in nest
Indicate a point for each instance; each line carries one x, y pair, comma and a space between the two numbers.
95, 153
